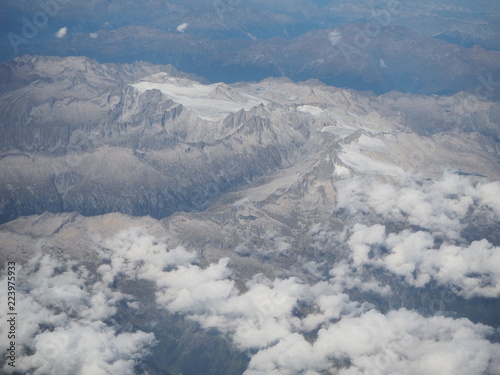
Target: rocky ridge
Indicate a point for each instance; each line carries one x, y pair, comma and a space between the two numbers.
78, 136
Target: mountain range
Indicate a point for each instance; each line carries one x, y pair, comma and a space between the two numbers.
417, 47
217, 227
226, 187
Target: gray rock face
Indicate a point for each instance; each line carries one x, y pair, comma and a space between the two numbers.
91, 143
77, 136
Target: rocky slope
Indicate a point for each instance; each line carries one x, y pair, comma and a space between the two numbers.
216, 227
80, 136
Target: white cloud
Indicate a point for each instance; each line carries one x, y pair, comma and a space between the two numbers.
474, 268
352, 338
430, 245
61, 33
348, 277
374, 343
438, 205
363, 340
404, 341
256, 318
136, 254
61, 312
362, 240
407, 252
195, 290
182, 27
85, 348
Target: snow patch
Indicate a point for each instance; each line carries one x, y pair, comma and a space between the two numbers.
335, 37
210, 102
373, 144
338, 130
312, 110
352, 156
341, 171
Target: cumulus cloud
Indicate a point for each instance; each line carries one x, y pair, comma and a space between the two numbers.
288, 326
352, 337
182, 27
470, 270
134, 253
254, 319
435, 205
474, 269
61, 33
348, 277
430, 245
87, 348
363, 240
195, 290
374, 343
404, 341
61, 328
207, 295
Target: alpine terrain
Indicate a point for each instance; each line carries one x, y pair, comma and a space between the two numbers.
260, 195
